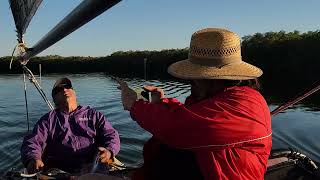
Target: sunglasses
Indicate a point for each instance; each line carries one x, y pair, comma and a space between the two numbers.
60, 88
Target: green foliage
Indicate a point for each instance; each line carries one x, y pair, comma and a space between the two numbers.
290, 61
129, 63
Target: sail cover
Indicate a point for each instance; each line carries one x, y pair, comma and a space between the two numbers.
23, 11
82, 14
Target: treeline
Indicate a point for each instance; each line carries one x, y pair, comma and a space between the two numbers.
290, 61
129, 64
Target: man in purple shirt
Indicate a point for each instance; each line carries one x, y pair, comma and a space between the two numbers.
69, 136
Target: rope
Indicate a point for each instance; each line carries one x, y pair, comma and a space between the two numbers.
295, 100
26, 100
37, 85
28, 175
228, 144
22, 50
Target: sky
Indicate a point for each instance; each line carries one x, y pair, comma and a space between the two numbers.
157, 24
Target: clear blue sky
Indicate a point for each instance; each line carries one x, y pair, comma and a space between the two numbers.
158, 24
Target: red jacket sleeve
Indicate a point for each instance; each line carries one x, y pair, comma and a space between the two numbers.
164, 120
227, 119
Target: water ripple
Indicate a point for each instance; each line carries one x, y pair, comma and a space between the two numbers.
296, 127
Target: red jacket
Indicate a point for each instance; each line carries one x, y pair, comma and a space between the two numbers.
230, 133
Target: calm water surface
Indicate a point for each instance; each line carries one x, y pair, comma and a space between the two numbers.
297, 127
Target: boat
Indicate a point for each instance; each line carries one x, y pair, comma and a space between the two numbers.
291, 164
282, 163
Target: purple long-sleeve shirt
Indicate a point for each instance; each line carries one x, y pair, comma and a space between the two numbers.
69, 141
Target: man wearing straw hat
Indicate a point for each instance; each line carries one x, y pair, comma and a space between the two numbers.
225, 123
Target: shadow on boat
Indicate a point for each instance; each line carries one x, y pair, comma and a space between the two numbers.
283, 164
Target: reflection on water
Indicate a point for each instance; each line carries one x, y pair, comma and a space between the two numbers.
297, 127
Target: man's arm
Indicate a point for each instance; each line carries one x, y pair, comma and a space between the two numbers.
33, 144
108, 137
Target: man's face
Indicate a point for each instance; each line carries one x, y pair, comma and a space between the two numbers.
64, 95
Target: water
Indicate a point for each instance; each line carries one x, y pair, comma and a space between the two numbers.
297, 127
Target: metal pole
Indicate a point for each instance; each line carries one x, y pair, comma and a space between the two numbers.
26, 99
40, 74
145, 77
145, 68
83, 13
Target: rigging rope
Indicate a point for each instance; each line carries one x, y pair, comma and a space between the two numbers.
22, 49
37, 86
26, 99
307, 93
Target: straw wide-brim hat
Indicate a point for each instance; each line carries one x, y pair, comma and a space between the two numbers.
214, 54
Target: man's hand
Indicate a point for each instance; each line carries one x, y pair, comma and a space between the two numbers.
156, 93
105, 155
128, 95
34, 166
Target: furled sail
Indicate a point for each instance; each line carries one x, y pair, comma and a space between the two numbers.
83, 13
23, 11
